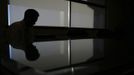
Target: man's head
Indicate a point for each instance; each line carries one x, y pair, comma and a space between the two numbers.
30, 17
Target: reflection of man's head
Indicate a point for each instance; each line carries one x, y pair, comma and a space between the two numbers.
30, 17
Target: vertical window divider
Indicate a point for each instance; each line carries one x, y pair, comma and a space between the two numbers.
69, 26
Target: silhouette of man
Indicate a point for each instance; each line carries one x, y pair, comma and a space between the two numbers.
21, 36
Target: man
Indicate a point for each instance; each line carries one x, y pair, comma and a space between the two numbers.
21, 36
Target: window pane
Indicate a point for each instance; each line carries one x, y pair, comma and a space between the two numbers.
81, 50
52, 12
82, 16
53, 54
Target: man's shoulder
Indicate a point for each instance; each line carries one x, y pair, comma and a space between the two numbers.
18, 23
